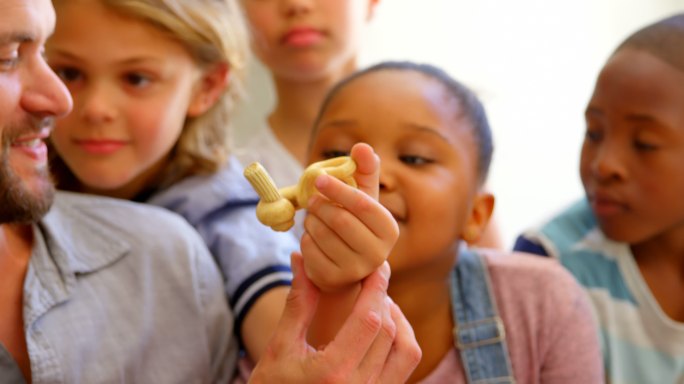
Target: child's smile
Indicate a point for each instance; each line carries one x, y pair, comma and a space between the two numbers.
132, 91
428, 158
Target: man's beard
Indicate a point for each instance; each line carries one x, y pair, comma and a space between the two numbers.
18, 203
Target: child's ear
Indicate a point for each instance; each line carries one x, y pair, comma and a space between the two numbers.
483, 206
210, 87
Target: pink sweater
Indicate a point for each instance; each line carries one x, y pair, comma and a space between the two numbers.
550, 330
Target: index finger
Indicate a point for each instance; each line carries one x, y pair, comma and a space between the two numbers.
300, 305
367, 173
406, 354
362, 206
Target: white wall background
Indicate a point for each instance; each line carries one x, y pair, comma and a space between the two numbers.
533, 63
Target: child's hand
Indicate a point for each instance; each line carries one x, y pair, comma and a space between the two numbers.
375, 344
349, 234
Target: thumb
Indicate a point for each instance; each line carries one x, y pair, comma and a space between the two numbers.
301, 302
367, 173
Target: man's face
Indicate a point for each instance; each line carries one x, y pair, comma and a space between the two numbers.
31, 95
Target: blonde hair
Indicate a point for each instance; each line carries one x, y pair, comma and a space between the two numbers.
213, 31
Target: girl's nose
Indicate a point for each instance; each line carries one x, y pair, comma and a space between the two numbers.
293, 8
97, 104
387, 179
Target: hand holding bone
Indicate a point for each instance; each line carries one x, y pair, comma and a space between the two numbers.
277, 207
348, 233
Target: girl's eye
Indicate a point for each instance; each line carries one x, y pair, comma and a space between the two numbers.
593, 135
414, 160
137, 79
332, 153
68, 74
644, 147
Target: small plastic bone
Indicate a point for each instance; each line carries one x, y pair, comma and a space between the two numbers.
277, 207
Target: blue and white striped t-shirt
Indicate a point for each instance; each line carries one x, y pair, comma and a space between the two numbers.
641, 344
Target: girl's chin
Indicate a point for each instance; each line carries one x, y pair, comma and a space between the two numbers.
111, 188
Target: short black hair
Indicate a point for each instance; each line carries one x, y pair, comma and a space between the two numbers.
663, 39
471, 106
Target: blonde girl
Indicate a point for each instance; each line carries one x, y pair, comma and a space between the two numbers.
154, 83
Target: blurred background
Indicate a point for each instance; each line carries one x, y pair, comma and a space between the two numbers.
533, 63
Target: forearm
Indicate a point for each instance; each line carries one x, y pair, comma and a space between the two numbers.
261, 320
333, 309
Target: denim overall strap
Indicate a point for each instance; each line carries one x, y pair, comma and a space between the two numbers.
478, 331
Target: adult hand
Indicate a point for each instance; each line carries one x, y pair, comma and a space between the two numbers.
375, 345
348, 234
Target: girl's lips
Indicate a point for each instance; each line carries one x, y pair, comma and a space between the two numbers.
394, 206
397, 217
302, 37
607, 207
101, 147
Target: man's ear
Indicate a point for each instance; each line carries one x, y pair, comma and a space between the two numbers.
481, 212
210, 87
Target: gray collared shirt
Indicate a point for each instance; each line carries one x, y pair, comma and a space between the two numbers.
9, 370
118, 292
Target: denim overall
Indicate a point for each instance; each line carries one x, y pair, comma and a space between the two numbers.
479, 333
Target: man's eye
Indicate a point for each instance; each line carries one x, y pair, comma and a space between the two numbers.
9, 62
330, 154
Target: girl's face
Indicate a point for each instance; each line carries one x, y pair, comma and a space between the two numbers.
132, 86
632, 162
428, 178
305, 40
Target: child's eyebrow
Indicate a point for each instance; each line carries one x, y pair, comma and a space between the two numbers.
66, 54
338, 123
61, 52
142, 60
639, 118
631, 117
426, 129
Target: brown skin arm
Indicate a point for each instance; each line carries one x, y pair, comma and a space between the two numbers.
333, 307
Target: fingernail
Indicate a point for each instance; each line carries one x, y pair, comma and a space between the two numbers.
321, 181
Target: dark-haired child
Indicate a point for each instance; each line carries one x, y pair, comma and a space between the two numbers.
478, 314
625, 241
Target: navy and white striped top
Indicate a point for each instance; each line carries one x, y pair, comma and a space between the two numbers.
641, 344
